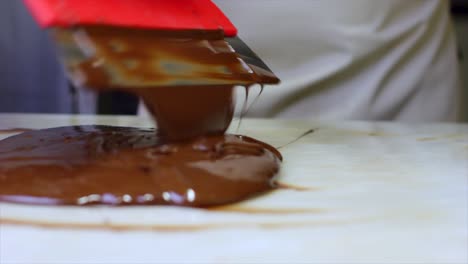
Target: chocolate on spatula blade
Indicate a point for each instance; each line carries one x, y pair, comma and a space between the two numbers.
115, 57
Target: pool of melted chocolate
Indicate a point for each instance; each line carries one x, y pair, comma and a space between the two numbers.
83, 165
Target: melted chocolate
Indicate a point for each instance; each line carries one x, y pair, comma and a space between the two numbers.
186, 112
120, 166
185, 78
187, 161
105, 57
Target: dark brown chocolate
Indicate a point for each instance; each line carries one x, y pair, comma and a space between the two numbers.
185, 112
187, 161
105, 57
84, 165
186, 78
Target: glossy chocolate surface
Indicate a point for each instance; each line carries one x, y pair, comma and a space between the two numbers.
103, 57
84, 165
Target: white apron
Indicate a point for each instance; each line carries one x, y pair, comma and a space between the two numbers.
352, 59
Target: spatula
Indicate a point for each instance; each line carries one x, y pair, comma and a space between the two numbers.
97, 43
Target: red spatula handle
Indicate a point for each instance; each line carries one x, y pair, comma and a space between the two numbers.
152, 14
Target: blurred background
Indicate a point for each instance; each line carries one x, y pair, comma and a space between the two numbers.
460, 16
33, 81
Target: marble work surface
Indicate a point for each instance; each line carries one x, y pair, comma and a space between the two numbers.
354, 192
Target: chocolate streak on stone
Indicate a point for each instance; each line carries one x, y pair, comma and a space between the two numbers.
84, 165
308, 132
176, 228
287, 186
260, 210
14, 130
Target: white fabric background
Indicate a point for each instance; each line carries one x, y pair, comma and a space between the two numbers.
353, 59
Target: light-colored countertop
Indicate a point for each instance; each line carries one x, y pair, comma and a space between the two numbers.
364, 193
